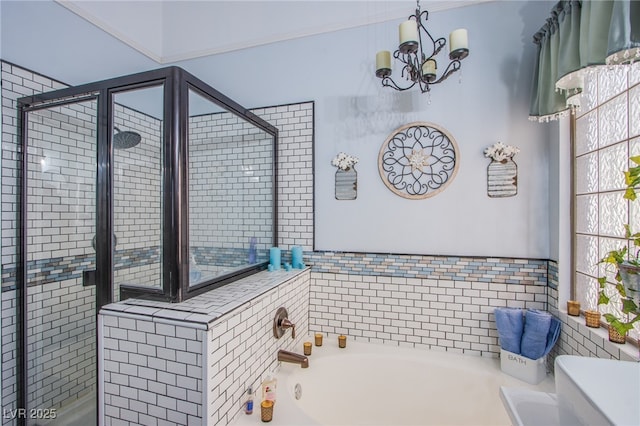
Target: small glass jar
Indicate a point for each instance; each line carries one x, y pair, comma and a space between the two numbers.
342, 341
307, 348
573, 308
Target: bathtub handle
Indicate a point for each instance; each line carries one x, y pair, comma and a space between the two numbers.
281, 323
288, 324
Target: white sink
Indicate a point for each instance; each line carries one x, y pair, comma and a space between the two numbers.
589, 391
595, 391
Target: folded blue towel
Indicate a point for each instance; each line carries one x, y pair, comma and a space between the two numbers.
554, 334
534, 336
510, 322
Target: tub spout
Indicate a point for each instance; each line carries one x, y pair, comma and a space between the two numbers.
286, 356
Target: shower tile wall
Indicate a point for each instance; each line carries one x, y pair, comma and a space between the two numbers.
228, 179
153, 371
17, 82
61, 200
295, 172
62, 164
61, 332
137, 205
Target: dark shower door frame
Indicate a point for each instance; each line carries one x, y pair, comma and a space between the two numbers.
25, 410
175, 244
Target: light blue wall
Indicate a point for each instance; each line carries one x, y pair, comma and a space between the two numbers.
354, 114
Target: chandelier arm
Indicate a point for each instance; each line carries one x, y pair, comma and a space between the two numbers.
437, 45
409, 59
451, 68
412, 64
405, 58
424, 85
388, 82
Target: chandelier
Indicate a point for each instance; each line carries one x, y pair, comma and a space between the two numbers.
417, 52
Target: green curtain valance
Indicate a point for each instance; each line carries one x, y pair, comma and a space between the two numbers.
577, 36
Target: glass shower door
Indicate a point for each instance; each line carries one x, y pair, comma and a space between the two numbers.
137, 188
60, 296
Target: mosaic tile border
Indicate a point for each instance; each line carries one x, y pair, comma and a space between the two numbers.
455, 268
50, 270
46, 271
552, 274
227, 256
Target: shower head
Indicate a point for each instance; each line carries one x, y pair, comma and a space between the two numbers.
126, 139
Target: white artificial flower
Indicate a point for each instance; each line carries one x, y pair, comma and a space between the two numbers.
500, 152
344, 161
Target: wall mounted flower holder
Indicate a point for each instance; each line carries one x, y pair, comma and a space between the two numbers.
346, 177
502, 172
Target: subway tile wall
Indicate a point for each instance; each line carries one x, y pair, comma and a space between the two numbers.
295, 173
443, 303
162, 371
61, 357
153, 370
60, 219
578, 339
137, 202
243, 349
16, 82
231, 189
59, 334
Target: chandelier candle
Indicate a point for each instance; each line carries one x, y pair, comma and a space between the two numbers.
458, 44
408, 36
429, 69
383, 63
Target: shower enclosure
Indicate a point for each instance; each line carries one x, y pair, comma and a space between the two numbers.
152, 185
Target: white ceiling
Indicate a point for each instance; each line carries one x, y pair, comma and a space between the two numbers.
176, 30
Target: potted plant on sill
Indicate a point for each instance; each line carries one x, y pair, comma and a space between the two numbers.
627, 270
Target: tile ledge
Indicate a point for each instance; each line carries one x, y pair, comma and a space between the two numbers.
630, 350
199, 311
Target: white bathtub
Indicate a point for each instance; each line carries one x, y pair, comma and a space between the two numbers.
368, 384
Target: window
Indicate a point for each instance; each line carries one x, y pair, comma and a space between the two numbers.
607, 132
